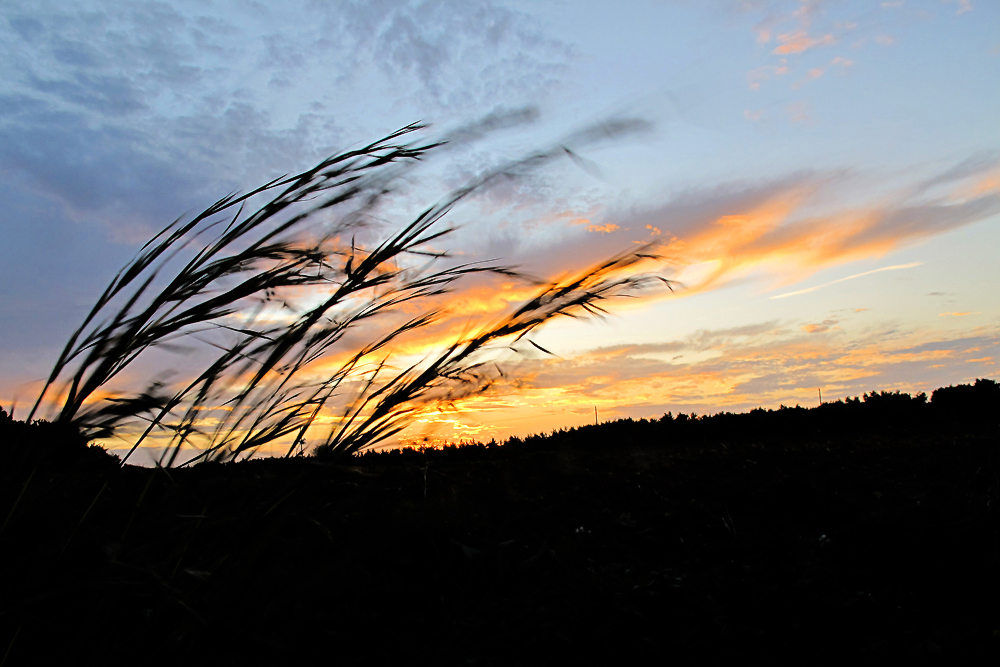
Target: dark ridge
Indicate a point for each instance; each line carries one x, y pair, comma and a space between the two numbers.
864, 529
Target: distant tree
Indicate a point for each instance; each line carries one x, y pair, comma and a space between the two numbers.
975, 403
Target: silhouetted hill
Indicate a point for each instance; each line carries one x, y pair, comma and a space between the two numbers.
862, 530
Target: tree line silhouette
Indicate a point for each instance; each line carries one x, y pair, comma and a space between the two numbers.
954, 408
891, 413
964, 405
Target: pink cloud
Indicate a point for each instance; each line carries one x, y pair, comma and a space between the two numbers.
799, 41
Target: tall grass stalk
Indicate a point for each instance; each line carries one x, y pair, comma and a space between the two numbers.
223, 271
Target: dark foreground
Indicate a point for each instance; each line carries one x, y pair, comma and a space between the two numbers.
581, 549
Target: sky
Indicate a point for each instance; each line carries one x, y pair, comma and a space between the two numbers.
823, 176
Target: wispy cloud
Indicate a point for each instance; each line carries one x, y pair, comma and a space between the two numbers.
963, 6
760, 74
182, 98
974, 166
799, 112
117, 116
811, 75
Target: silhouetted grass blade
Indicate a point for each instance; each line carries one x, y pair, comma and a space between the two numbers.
262, 386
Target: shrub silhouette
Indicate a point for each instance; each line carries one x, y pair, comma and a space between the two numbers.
27, 446
216, 278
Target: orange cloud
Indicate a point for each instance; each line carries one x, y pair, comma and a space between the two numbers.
731, 232
799, 41
737, 369
823, 326
603, 229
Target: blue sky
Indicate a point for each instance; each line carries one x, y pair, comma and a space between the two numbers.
851, 147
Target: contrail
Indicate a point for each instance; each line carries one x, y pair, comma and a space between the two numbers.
840, 280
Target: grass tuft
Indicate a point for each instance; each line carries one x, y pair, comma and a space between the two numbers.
218, 280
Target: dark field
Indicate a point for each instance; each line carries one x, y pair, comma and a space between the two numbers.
801, 537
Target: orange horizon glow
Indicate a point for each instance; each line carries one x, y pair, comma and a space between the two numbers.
777, 237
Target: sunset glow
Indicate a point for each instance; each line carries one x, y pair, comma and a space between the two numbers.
821, 183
